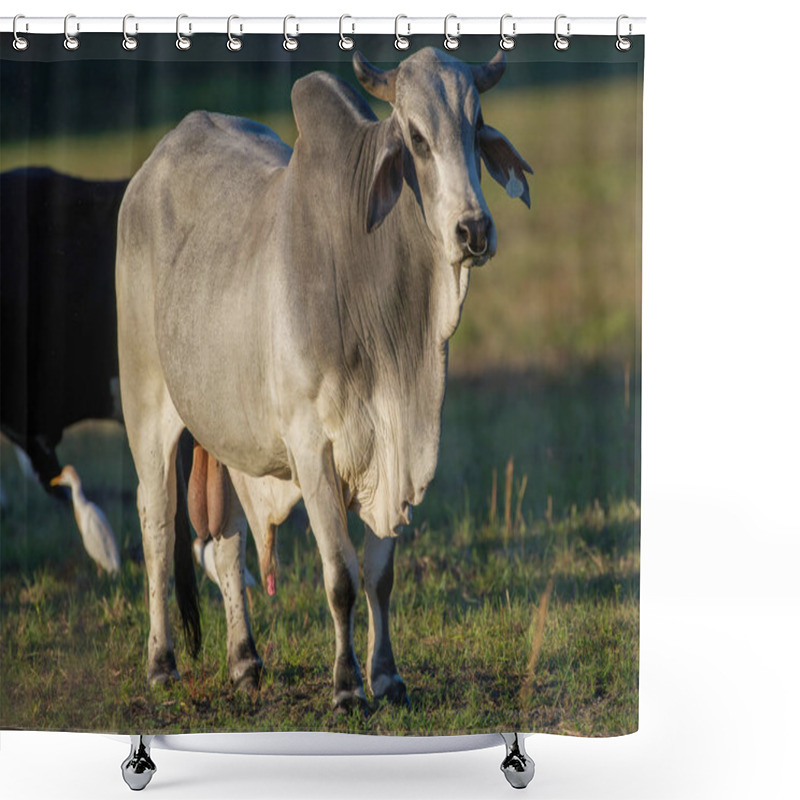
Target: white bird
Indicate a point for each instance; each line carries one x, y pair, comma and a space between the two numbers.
98, 538
204, 556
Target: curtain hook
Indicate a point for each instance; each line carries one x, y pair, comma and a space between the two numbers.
561, 43
129, 42
507, 42
182, 42
623, 44
234, 44
401, 42
20, 42
451, 42
345, 42
288, 42
71, 42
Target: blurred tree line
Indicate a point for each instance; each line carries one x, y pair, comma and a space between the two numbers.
47, 91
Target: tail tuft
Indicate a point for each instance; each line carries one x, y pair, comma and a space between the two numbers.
185, 578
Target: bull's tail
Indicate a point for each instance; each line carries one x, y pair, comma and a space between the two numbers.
185, 578
269, 569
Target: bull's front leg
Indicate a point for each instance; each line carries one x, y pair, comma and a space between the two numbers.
244, 665
322, 493
384, 681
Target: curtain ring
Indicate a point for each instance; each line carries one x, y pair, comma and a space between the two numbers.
20, 42
623, 44
345, 42
71, 42
560, 42
234, 44
507, 42
401, 42
128, 42
288, 42
451, 42
182, 42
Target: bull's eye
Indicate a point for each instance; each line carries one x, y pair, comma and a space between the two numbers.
421, 146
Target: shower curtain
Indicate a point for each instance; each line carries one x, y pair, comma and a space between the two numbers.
515, 583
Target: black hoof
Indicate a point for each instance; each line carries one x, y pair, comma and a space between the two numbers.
163, 678
163, 671
345, 703
248, 678
396, 694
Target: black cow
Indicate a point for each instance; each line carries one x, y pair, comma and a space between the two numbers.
58, 343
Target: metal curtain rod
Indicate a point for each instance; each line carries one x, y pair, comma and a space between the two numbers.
409, 26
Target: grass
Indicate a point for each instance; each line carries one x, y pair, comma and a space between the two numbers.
472, 583
516, 596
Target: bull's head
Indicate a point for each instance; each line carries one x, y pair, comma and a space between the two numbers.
436, 142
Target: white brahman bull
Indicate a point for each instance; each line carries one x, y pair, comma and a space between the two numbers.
292, 309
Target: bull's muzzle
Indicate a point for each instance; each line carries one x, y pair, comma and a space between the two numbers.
474, 234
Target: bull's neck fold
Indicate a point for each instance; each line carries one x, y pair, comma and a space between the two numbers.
396, 303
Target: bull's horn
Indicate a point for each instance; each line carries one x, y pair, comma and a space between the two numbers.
378, 82
487, 75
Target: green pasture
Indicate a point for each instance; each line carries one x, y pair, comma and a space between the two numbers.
470, 578
517, 587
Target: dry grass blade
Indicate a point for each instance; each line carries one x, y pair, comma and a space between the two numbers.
509, 488
518, 518
493, 499
536, 645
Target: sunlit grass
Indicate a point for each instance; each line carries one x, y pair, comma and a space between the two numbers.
470, 579
537, 487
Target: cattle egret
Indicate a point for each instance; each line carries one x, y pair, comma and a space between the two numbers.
98, 538
204, 556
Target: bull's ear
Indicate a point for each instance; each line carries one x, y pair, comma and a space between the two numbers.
387, 182
505, 164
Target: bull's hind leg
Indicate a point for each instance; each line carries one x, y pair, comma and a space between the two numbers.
151, 421
154, 443
322, 493
384, 682
244, 665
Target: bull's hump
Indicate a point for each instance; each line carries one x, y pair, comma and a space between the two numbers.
325, 105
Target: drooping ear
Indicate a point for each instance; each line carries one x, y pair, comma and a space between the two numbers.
387, 181
505, 164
